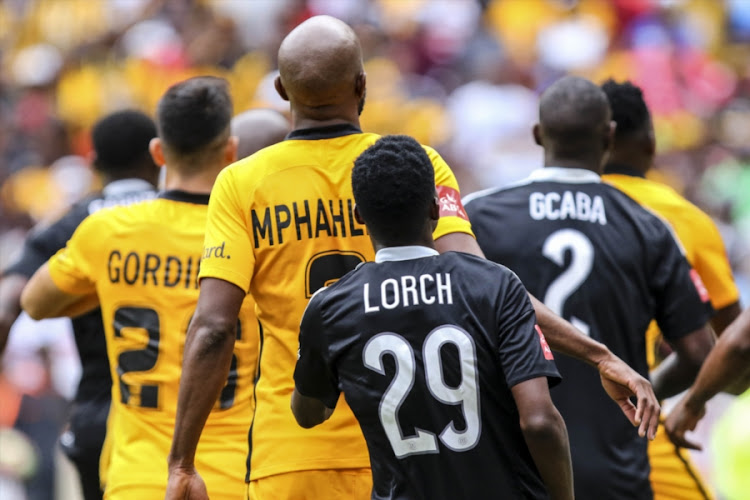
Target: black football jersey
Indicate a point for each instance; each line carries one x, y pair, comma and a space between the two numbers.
43, 242
425, 348
609, 266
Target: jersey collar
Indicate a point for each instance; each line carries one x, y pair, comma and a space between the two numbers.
567, 175
123, 186
329, 132
404, 253
622, 169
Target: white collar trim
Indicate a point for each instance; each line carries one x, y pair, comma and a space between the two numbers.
568, 175
118, 188
404, 253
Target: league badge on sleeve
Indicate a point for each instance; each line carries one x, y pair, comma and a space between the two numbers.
545, 346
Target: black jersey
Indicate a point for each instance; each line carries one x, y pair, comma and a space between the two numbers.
43, 242
607, 265
426, 348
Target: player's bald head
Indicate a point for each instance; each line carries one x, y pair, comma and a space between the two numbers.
320, 64
574, 117
257, 129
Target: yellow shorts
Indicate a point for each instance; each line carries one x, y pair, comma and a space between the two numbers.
673, 475
349, 484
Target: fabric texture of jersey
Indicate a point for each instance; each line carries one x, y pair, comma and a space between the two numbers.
280, 226
608, 266
672, 474
142, 261
426, 351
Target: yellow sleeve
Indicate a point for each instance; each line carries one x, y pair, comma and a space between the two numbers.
453, 218
712, 264
227, 249
73, 268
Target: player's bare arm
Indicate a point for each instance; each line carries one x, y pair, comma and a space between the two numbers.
308, 411
619, 380
724, 317
41, 298
208, 353
678, 371
546, 436
10, 304
727, 363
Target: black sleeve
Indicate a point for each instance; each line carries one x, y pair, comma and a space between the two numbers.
313, 376
44, 241
682, 302
524, 353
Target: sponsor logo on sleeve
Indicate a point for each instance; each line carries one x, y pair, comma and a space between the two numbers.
450, 203
545, 346
699, 286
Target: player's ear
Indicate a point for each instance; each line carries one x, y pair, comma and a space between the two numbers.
609, 136
280, 88
360, 85
537, 132
157, 151
230, 152
357, 215
435, 208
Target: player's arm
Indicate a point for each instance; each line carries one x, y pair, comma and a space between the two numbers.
10, 304
546, 436
678, 370
728, 362
315, 385
42, 298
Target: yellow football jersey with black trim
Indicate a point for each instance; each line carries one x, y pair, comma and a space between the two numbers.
280, 226
142, 261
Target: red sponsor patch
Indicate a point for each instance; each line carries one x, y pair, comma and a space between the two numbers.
450, 203
545, 346
699, 286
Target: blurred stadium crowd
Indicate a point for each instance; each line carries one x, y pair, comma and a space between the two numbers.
461, 75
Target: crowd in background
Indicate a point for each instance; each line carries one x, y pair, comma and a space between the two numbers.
461, 75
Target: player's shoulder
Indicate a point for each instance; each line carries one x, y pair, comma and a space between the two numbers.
485, 196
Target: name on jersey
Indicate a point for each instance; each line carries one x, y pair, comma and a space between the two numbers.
151, 269
407, 290
304, 220
568, 205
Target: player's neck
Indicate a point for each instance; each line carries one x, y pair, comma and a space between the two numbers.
636, 163
425, 241
199, 182
301, 122
592, 163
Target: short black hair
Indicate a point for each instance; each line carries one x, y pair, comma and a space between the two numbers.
628, 107
192, 114
394, 185
121, 140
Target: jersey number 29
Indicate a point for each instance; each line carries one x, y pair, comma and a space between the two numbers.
466, 393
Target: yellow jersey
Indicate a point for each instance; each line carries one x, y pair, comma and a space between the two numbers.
142, 261
280, 226
696, 231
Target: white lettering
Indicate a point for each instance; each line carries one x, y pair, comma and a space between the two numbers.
368, 307
583, 202
423, 289
568, 206
552, 213
597, 211
444, 288
536, 206
409, 289
384, 293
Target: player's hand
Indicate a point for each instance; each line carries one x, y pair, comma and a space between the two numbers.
185, 484
681, 419
621, 383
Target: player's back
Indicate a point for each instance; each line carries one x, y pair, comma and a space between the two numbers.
425, 350
146, 272
601, 261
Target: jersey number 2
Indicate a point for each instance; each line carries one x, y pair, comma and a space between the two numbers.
466, 393
581, 262
142, 360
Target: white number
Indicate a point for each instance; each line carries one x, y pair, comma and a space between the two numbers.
465, 394
582, 260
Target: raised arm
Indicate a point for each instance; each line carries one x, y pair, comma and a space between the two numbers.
619, 380
205, 366
546, 436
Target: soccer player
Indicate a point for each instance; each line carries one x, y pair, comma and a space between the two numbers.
283, 221
438, 355
672, 473
120, 142
609, 266
728, 362
142, 263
